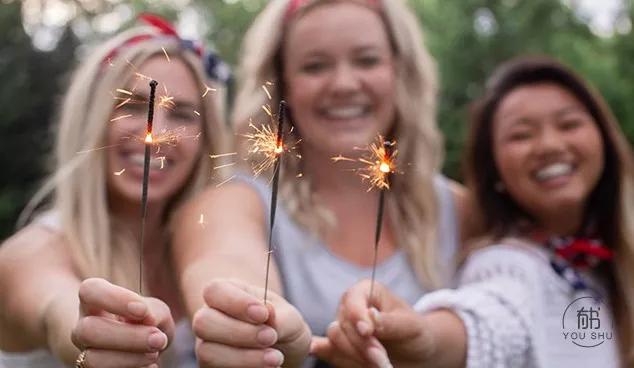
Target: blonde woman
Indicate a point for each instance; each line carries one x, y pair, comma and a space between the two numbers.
552, 284
349, 70
53, 272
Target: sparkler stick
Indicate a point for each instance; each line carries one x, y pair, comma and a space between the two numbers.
146, 175
385, 167
279, 149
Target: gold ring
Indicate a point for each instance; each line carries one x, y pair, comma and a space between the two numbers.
81, 360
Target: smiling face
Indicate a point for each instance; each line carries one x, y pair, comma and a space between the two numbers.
339, 77
176, 126
548, 150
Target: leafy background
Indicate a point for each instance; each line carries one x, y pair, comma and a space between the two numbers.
41, 40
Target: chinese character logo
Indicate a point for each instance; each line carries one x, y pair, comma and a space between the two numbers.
586, 322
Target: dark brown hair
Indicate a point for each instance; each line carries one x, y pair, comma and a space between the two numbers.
606, 207
500, 213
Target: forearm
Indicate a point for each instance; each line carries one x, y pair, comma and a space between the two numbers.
447, 339
60, 317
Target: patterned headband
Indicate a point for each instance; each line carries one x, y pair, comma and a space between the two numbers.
215, 68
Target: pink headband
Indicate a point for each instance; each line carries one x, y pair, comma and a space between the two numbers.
295, 5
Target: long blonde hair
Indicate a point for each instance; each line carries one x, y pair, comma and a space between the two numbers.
414, 209
96, 240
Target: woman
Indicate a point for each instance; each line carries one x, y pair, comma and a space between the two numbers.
554, 177
90, 232
349, 70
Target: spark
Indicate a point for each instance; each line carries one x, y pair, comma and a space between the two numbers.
124, 102
379, 163
225, 182
201, 220
266, 90
300, 175
166, 101
162, 160
196, 112
223, 166
263, 142
223, 155
119, 173
207, 90
166, 55
120, 117
267, 110
124, 91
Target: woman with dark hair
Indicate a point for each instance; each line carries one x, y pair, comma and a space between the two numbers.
553, 177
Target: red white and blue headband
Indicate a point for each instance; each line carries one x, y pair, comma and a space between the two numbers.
215, 67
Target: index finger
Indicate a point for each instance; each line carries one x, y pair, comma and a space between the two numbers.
97, 295
237, 300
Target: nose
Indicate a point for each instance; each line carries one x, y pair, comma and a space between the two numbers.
345, 79
549, 141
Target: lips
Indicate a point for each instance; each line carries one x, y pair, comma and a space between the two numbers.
554, 171
346, 112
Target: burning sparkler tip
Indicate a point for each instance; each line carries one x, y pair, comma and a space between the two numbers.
153, 83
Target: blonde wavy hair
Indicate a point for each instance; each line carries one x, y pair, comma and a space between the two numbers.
78, 189
413, 209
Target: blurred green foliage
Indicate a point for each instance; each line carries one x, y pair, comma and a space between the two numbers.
468, 38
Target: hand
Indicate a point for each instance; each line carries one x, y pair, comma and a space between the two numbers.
236, 329
118, 328
369, 335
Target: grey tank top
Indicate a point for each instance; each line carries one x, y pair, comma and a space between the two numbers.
314, 279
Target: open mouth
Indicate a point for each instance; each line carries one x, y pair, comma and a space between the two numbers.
346, 112
554, 171
156, 163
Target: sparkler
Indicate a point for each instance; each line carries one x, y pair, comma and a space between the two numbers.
275, 154
146, 175
379, 161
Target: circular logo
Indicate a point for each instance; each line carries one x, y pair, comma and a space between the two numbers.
587, 322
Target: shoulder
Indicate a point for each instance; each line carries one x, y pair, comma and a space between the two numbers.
33, 244
236, 196
508, 258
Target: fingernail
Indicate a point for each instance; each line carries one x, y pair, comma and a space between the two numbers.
257, 313
274, 358
364, 328
379, 358
312, 348
376, 317
137, 309
266, 336
153, 366
332, 325
157, 341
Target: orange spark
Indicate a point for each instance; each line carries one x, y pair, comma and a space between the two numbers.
379, 163
263, 142
119, 173
148, 138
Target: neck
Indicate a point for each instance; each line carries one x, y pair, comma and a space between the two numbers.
129, 216
562, 223
334, 179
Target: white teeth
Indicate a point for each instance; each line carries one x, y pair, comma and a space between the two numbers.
553, 171
138, 159
349, 112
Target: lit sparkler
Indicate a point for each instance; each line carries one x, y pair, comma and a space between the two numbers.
146, 175
271, 146
379, 161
